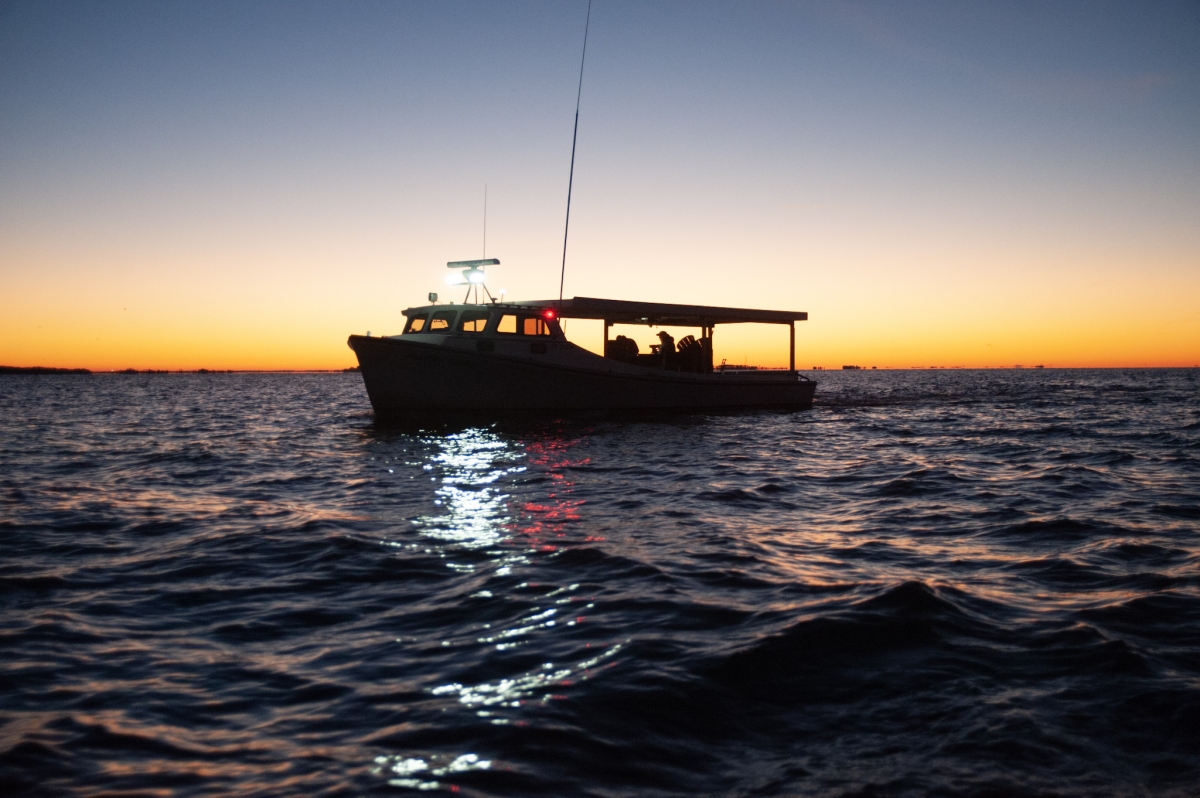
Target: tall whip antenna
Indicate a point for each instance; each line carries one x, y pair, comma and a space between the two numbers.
484, 220
562, 276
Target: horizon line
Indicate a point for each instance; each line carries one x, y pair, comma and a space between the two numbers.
80, 370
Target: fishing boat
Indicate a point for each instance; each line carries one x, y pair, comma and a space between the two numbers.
499, 356
495, 356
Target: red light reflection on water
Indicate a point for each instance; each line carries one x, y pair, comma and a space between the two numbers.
545, 521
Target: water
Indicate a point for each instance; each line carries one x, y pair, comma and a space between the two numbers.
933, 583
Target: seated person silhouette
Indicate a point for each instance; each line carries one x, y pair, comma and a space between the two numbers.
667, 348
623, 349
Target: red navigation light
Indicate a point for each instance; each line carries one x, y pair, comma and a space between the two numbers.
548, 314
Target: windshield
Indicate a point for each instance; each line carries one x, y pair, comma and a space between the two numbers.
442, 320
473, 321
416, 323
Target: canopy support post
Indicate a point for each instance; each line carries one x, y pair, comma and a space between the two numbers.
792, 345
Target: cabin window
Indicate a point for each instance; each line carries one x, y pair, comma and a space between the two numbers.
473, 321
442, 320
416, 323
511, 324
534, 325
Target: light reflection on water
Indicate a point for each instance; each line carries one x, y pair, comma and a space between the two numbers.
475, 472
414, 773
470, 497
513, 692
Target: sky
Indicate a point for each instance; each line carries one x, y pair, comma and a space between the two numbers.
243, 185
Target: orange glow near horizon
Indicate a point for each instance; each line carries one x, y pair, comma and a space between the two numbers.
241, 322
155, 341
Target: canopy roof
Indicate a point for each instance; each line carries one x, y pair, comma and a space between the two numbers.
619, 311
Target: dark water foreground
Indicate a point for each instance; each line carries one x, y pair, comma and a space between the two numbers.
933, 583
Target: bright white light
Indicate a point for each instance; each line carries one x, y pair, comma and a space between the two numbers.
454, 279
474, 275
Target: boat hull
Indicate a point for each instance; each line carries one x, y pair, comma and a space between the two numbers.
411, 377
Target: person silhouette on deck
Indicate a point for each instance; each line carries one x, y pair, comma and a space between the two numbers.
667, 348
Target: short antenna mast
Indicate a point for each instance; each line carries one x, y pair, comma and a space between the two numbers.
562, 276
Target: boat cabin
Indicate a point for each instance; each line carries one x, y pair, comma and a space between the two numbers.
538, 322
496, 320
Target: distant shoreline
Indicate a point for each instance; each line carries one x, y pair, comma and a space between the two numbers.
40, 370
55, 370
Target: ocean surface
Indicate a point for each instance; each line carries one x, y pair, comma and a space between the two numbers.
932, 583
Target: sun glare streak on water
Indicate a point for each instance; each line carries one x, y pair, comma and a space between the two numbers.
932, 583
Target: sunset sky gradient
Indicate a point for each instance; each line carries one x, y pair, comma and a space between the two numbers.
242, 185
